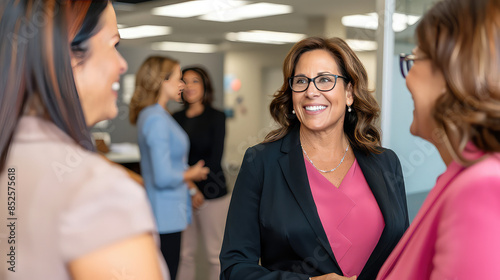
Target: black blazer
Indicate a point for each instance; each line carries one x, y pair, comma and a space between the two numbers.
273, 218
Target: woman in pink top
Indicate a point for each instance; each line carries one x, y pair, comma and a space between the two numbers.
320, 198
455, 85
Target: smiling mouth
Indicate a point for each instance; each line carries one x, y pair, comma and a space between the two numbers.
314, 108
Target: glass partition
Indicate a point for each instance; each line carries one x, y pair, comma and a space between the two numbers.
420, 160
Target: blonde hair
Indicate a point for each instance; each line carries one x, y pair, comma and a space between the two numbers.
153, 71
462, 39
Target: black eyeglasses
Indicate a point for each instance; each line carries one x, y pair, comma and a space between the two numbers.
324, 82
406, 62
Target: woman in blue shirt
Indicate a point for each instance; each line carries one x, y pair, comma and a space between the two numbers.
164, 148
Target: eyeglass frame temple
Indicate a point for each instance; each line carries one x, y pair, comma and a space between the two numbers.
402, 59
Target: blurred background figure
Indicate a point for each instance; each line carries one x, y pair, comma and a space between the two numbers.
320, 198
72, 214
164, 150
206, 128
452, 75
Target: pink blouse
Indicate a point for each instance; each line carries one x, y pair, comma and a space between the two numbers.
350, 216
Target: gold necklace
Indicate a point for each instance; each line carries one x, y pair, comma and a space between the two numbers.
326, 171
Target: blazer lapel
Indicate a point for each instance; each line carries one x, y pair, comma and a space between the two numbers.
293, 168
373, 175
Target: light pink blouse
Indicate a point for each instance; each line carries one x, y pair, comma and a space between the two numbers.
69, 202
350, 216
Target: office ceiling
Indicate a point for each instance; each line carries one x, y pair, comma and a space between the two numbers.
133, 1
305, 14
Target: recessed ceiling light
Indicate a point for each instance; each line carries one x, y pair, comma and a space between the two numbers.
196, 8
248, 11
362, 45
370, 21
143, 31
265, 37
184, 47
401, 21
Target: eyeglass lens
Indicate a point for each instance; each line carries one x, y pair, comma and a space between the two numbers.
405, 64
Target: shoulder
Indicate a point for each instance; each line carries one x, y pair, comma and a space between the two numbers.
385, 158
471, 209
100, 178
179, 115
486, 168
385, 154
88, 175
264, 153
97, 169
151, 112
475, 189
216, 114
483, 176
153, 119
104, 203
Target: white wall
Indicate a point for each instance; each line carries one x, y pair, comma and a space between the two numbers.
369, 60
249, 128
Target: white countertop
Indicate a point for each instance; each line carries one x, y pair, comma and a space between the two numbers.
124, 153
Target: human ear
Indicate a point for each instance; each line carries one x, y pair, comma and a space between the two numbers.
349, 95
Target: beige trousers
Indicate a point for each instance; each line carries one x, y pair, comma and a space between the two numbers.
208, 222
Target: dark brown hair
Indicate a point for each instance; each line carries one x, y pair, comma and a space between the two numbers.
36, 63
148, 80
359, 125
462, 40
208, 94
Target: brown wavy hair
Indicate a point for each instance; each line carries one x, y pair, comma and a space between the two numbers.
148, 80
462, 39
359, 125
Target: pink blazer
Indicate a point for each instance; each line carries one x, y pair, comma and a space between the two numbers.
456, 233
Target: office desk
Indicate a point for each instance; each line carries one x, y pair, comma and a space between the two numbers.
126, 154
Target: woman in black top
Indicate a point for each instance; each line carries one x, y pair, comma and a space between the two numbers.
206, 128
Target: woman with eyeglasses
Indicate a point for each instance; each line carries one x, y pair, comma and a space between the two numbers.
455, 86
164, 148
319, 198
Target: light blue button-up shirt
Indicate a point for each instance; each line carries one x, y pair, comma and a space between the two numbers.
164, 148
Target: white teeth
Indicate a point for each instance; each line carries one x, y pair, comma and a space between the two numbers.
115, 86
315, 108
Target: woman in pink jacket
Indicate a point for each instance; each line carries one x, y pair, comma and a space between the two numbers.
453, 76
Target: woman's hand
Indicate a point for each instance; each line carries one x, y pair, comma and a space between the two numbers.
197, 199
333, 276
197, 172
